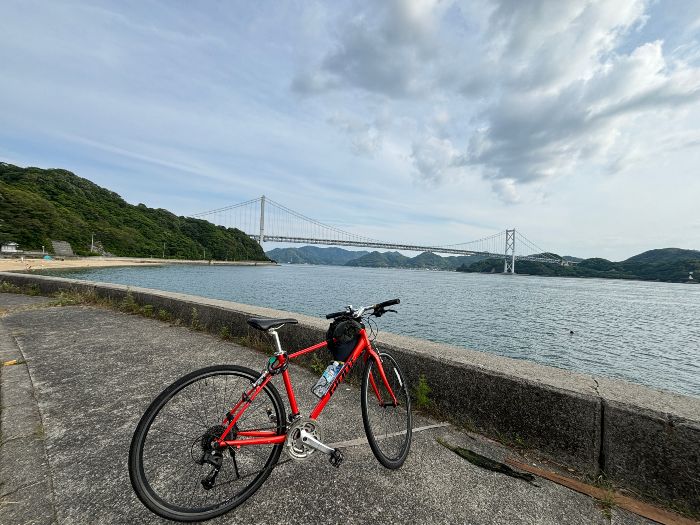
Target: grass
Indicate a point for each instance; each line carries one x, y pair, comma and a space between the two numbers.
7, 287
225, 333
317, 365
40, 431
421, 393
607, 502
195, 322
254, 341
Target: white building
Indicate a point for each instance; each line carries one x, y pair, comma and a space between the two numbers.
9, 247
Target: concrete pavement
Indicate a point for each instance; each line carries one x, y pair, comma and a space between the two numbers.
68, 415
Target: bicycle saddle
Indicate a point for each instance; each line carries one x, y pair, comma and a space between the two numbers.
263, 324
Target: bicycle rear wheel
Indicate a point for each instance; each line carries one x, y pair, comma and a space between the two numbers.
388, 427
166, 464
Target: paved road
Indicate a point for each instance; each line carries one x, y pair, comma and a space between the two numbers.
69, 412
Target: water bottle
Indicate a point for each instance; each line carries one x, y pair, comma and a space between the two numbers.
324, 382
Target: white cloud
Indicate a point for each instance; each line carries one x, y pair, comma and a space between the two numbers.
461, 108
538, 90
382, 49
435, 159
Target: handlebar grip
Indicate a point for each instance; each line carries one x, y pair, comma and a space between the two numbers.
335, 314
387, 303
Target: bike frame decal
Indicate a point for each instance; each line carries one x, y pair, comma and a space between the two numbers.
271, 437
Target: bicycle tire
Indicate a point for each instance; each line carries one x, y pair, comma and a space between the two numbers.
388, 428
187, 431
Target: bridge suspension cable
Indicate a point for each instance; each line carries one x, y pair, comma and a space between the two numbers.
266, 220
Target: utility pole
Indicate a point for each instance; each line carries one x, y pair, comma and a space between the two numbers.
262, 220
163, 250
92, 243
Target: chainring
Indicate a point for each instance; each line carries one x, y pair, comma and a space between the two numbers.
295, 448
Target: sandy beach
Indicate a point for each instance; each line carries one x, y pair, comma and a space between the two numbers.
10, 265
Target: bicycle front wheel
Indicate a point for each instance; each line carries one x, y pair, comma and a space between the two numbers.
171, 461
387, 425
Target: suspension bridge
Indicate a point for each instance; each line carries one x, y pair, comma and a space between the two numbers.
266, 220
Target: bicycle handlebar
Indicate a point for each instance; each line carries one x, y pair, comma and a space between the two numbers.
378, 308
390, 302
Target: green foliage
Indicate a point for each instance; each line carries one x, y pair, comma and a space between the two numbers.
164, 315
254, 341
341, 257
37, 206
425, 260
6, 287
668, 270
422, 393
317, 365
664, 255
128, 304
32, 289
195, 321
67, 298
147, 310
225, 333
314, 255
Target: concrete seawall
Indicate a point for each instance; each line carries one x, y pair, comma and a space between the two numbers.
642, 439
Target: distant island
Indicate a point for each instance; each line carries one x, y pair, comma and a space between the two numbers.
668, 264
41, 205
341, 257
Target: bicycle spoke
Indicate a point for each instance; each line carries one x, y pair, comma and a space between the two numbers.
178, 437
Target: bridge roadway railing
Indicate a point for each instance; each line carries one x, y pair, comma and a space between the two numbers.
407, 247
641, 439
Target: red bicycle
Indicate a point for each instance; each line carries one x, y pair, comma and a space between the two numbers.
211, 439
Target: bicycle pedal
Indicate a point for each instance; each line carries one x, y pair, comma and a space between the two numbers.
336, 457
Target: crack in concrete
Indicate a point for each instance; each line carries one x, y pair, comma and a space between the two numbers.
601, 432
15, 491
49, 477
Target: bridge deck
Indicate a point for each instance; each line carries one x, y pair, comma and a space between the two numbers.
406, 247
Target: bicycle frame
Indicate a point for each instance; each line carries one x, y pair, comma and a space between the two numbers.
270, 437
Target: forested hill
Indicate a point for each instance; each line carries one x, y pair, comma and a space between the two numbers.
668, 264
665, 255
40, 205
341, 257
314, 255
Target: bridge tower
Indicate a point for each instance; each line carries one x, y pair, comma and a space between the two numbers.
262, 221
509, 259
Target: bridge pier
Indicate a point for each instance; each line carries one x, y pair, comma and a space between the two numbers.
262, 221
509, 259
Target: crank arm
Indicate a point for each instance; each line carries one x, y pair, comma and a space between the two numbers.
314, 443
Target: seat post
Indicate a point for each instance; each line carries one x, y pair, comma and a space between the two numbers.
276, 337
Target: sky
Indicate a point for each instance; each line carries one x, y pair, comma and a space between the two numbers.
424, 122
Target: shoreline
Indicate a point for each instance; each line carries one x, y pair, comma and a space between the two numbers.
30, 264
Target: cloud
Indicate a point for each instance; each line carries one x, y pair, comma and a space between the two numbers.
506, 190
383, 49
534, 135
531, 90
435, 159
366, 137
